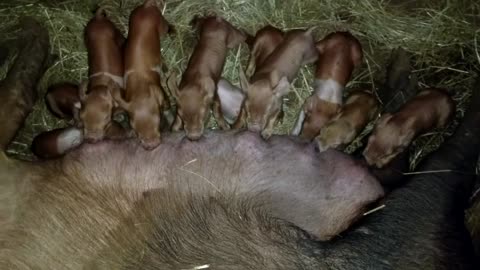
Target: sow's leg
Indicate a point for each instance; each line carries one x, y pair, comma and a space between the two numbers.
17, 96
422, 224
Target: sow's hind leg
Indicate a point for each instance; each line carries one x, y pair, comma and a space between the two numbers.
17, 96
422, 224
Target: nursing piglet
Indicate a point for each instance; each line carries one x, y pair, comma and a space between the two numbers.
197, 91
339, 54
144, 98
431, 108
271, 82
105, 69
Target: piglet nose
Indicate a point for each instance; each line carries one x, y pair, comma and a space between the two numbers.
92, 137
150, 144
194, 136
254, 127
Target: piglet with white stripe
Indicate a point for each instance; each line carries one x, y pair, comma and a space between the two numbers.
144, 98
339, 54
104, 44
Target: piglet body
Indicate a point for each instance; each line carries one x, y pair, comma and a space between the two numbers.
358, 110
144, 98
57, 142
105, 62
196, 93
431, 108
62, 99
339, 54
271, 81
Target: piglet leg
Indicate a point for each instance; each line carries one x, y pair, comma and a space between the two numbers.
217, 113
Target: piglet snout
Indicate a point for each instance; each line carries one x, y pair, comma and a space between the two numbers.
254, 127
150, 144
93, 137
194, 136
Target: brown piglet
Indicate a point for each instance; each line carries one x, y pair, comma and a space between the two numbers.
271, 82
62, 100
105, 69
359, 109
393, 133
339, 54
197, 91
144, 98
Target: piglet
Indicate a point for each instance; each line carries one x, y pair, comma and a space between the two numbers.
265, 41
431, 108
105, 62
359, 109
57, 142
231, 99
62, 99
339, 54
144, 99
271, 82
196, 93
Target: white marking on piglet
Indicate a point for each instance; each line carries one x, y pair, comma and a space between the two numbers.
157, 69
298, 125
328, 90
69, 139
231, 99
117, 79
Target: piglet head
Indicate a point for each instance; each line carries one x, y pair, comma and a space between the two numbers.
317, 113
263, 102
144, 114
96, 111
386, 142
193, 105
333, 135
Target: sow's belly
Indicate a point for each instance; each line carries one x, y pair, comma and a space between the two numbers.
321, 192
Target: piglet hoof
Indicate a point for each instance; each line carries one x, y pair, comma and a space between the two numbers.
266, 134
223, 125
320, 146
